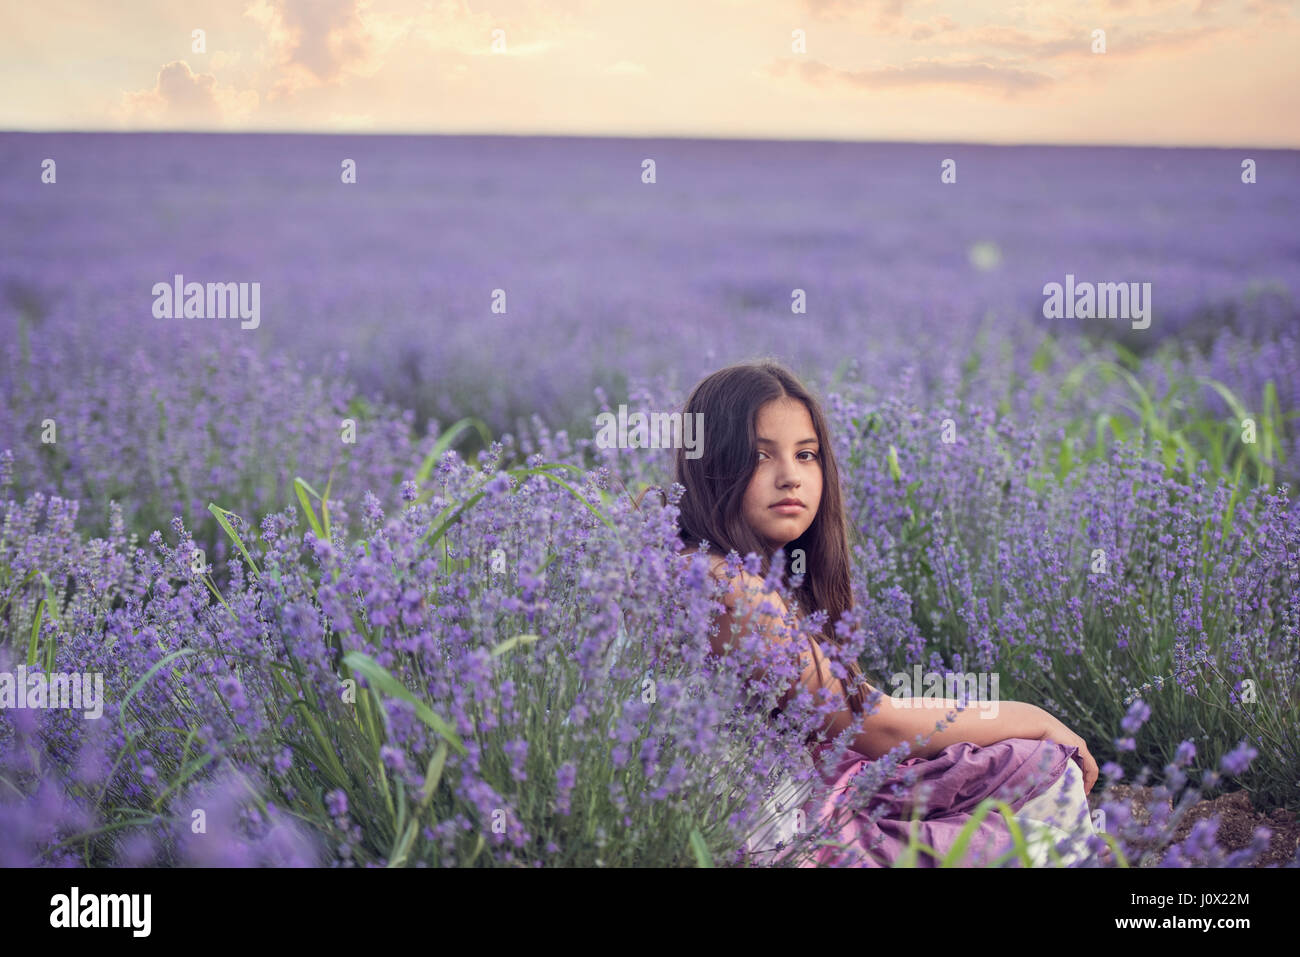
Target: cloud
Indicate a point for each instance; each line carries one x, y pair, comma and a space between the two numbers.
1075, 43
1258, 8
1006, 78
1272, 10
884, 10
1134, 5
181, 97
880, 16
318, 42
1153, 40
626, 68
934, 27
528, 28
1027, 44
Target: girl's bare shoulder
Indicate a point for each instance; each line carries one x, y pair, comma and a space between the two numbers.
717, 561
743, 583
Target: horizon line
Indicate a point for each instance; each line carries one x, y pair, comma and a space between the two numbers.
669, 136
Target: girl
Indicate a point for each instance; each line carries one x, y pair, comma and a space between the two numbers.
767, 480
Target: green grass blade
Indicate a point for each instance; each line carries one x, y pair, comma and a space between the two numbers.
433, 775
514, 642
701, 850
221, 514
956, 855
36, 631
446, 440
382, 680
301, 488
325, 504
144, 678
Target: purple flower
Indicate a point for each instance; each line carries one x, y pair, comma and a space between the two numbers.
1138, 713
517, 751
283, 762
371, 508
1236, 762
565, 778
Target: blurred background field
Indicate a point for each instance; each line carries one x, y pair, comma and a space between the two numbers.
609, 280
924, 305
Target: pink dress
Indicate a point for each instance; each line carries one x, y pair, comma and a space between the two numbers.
1038, 779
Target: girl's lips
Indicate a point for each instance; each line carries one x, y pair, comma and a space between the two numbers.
788, 509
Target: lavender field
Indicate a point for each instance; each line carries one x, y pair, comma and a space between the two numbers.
390, 483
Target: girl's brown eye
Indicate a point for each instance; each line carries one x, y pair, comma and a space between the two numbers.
804, 452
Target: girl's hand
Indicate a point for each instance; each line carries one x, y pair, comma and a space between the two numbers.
1058, 732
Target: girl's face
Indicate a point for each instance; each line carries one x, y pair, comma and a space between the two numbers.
789, 466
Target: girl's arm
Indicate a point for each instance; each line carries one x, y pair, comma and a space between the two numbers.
895, 720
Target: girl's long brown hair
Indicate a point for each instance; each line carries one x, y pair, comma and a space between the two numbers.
715, 483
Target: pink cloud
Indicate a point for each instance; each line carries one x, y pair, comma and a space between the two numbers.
1008, 79
181, 96
315, 42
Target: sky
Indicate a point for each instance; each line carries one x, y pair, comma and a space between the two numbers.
1160, 72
